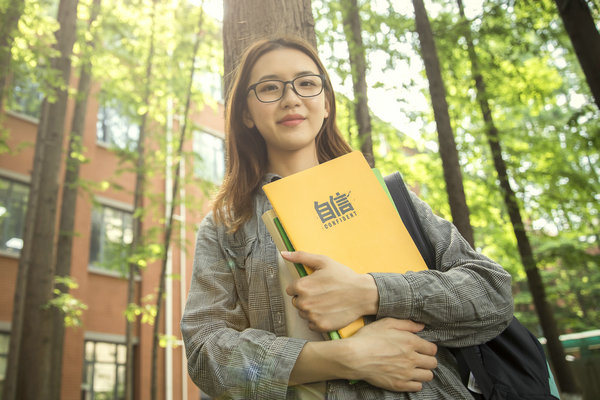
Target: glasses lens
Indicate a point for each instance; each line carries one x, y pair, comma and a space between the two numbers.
269, 91
308, 85
304, 86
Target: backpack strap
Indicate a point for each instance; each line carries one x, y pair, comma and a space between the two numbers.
512, 365
408, 213
470, 362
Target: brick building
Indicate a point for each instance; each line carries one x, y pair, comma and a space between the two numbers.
94, 354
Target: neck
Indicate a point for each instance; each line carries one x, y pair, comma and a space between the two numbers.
284, 164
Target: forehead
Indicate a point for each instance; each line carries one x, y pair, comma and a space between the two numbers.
282, 64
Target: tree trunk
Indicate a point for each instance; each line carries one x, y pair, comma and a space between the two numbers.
140, 184
138, 200
12, 366
29, 355
448, 152
585, 38
9, 21
246, 21
169, 225
68, 206
358, 64
564, 376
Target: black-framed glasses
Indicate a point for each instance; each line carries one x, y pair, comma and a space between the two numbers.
273, 90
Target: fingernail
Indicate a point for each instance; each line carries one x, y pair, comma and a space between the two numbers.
286, 253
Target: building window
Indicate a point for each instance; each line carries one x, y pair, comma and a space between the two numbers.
115, 128
209, 162
26, 94
13, 205
112, 232
4, 340
103, 371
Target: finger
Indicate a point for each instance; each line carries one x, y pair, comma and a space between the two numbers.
294, 299
422, 375
314, 261
426, 362
291, 290
409, 386
304, 314
316, 328
426, 348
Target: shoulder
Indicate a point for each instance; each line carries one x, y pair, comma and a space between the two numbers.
210, 229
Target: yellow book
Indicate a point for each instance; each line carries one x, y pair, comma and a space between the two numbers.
340, 209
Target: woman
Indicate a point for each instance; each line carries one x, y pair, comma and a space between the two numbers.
240, 326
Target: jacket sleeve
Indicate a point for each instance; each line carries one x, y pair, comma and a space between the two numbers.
466, 301
226, 357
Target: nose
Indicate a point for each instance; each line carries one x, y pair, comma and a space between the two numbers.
285, 98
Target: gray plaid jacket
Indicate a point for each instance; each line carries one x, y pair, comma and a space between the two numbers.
234, 325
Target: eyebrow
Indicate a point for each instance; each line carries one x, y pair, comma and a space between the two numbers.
276, 77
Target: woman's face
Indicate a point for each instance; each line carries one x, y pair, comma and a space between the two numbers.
289, 125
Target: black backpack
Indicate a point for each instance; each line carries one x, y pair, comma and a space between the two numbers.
511, 366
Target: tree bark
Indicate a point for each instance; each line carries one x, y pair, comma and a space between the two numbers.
68, 206
31, 334
452, 172
138, 202
246, 21
9, 21
358, 64
564, 374
12, 366
139, 195
585, 38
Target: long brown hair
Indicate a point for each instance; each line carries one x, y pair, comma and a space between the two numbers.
246, 161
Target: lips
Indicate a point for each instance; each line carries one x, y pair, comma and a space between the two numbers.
291, 120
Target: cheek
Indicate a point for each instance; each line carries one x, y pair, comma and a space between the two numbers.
319, 105
248, 120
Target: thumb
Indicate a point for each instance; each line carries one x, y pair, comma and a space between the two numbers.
311, 260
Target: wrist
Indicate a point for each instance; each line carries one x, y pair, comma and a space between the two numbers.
370, 295
321, 361
348, 357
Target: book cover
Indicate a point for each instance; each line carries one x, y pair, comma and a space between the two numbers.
340, 209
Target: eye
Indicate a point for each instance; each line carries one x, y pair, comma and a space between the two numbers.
268, 86
307, 81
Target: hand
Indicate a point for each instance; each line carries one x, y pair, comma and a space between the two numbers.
388, 354
333, 295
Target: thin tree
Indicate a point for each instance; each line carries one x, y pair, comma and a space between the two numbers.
138, 204
564, 375
448, 153
9, 20
247, 21
29, 352
584, 35
167, 234
358, 65
69, 201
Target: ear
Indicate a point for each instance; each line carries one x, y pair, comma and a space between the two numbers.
326, 107
247, 119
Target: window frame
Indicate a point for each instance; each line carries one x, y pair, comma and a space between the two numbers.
4, 331
87, 388
23, 180
197, 171
116, 113
114, 205
30, 84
